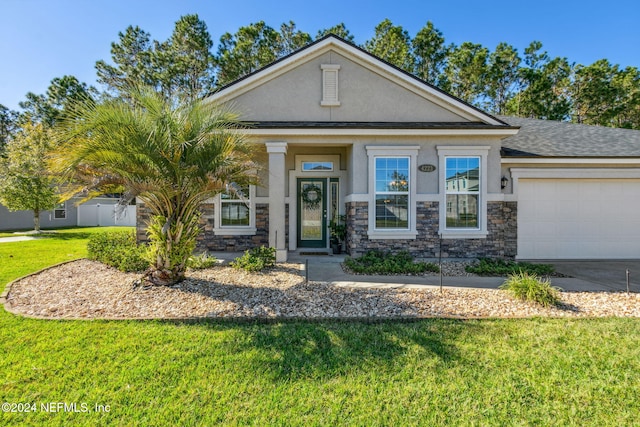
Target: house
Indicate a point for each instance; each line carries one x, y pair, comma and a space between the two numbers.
62, 216
96, 212
341, 132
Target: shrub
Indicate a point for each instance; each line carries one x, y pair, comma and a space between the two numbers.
501, 267
529, 287
200, 262
378, 262
256, 259
118, 249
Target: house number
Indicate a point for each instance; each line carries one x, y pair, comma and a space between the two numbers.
427, 168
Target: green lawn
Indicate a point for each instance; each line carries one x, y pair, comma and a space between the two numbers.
20, 258
429, 372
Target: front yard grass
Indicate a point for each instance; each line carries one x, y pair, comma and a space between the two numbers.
20, 258
430, 372
427, 372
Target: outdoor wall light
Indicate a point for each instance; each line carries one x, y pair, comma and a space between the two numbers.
503, 182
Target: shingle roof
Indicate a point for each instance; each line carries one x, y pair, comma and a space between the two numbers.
546, 138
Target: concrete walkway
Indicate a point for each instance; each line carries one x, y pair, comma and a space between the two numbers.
326, 268
17, 239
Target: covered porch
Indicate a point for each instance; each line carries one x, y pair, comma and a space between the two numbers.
307, 186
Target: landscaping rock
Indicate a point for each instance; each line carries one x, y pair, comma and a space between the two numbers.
88, 290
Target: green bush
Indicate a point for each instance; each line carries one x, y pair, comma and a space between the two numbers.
256, 259
378, 262
529, 287
118, 249
200, 262
501, 267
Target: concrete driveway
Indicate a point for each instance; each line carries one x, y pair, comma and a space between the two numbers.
610, 274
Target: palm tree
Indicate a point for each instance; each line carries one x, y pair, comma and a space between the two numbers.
171, 155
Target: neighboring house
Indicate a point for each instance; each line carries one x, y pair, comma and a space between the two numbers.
64, 215
341, 132
96, 212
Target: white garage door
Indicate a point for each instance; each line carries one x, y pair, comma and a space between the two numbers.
578, 218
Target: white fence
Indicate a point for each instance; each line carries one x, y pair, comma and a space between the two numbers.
104, 215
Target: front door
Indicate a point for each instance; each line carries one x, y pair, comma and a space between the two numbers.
312, 212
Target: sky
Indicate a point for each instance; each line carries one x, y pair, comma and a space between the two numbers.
44, 39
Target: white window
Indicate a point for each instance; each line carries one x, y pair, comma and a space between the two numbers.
236, 211
392, 192
463, 192
330, 85
463, 189
60, 211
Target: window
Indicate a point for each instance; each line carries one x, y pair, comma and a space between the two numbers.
317, 166
392, 192
235, 208
60, 211
334, 209
462, 189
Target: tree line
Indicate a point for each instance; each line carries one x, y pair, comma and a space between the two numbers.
500, 81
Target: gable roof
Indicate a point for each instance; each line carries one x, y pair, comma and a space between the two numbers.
366, 59
547, 138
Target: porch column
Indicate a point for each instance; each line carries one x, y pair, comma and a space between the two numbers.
277, 151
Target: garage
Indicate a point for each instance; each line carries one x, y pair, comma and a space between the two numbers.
560, 218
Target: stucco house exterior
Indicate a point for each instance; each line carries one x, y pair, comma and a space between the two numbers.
341, 132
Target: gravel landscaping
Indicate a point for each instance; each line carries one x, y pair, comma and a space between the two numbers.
88, 290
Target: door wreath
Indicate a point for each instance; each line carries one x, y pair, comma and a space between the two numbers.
312, 196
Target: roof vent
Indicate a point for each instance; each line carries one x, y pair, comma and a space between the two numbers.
330, 85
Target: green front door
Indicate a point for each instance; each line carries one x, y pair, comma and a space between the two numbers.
312, 212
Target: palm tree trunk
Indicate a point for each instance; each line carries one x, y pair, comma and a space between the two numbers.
172, 244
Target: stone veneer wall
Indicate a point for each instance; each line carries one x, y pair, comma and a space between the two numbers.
501, 241
207, 240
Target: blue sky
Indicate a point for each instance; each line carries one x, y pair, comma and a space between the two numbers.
43, 39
